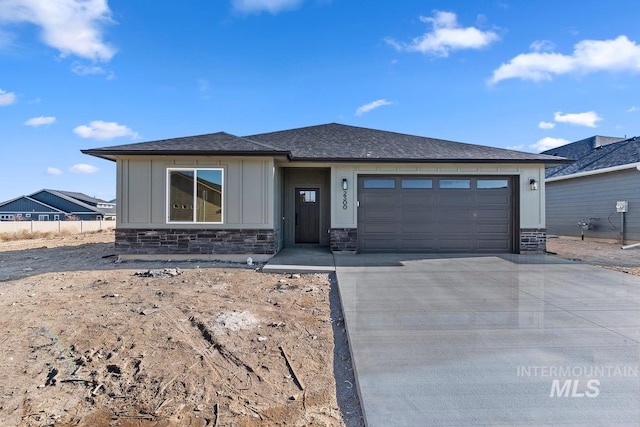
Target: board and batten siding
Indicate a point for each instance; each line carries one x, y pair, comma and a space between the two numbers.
248, 192
571, 201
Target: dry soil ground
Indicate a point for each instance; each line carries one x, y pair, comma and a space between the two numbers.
607, 255
85, 341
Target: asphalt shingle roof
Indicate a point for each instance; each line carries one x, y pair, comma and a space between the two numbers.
220, 143
330, 142
595, 153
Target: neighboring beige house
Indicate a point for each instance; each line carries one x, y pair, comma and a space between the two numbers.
343, 187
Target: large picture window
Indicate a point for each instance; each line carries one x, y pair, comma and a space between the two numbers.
195, 195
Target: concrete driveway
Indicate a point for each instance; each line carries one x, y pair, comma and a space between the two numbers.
488, 340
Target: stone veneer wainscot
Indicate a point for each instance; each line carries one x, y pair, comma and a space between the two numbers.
343, 239
186, 241
533, 240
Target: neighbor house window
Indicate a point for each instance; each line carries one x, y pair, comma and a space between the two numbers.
195, 195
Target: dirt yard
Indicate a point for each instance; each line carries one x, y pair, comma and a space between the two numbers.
85, 341
607, 255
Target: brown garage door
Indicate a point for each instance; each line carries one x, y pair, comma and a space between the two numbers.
435, 214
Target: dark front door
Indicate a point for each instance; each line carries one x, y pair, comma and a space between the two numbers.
307, 215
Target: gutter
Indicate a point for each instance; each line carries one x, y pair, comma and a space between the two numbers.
595, 172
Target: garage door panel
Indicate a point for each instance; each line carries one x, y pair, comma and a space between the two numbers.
498, 229
492, 214
457, 244
379, 244
411, 215
419, 227
380, 228
456, 214
453, 198
470, 218
417, 199
485, 199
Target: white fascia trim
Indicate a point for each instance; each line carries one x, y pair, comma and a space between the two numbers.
595, 172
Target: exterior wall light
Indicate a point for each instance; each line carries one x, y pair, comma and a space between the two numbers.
345, 184
533, 184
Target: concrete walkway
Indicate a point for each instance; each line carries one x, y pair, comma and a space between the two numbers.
484, 340
301, 259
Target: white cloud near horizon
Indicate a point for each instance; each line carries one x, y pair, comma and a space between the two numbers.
363, 109
53, 171
7, 98
588, 56
99, 129
546, 125
548, 143
83, 168
271, 6
73, 27
633, 109
445, 36
40, 121
588, 119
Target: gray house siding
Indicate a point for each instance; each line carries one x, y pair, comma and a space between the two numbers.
593, 198
24, 205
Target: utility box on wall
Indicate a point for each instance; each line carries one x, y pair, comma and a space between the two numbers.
622, 206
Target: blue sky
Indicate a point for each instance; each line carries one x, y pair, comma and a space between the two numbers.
90, 73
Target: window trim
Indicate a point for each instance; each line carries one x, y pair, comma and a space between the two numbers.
195, 183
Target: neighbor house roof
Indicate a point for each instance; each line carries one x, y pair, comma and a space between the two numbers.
81, 202
595, 154
329, 142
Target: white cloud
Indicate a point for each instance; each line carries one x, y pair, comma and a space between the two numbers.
99, 129
87, 70
83, 168
53, 171
588, 119
542, 46
633, 109
7, 98
446, 35
73, 27
548, 143
372, 106
589, 56
40, 121
546, 125
518, 147
271, 6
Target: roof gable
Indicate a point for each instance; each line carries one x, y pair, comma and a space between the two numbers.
26, 204
63, 202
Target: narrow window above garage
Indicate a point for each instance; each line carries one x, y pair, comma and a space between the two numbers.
195, 195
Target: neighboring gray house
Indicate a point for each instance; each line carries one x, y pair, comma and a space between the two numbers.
56, 205
344, 187
582, 196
